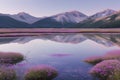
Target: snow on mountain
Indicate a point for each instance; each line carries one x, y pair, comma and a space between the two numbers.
24, 17
66, 17
102, 14
70, 17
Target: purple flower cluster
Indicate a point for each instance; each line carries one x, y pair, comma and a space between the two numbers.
115, 54
7, 74
107, 66
10, 57
42, 72
107, 70
112, 55
7, 59
94, 60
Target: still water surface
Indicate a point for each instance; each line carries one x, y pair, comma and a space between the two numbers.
65, 52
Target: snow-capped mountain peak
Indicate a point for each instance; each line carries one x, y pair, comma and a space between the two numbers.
22, 13
102, 14
72, 16
25, 17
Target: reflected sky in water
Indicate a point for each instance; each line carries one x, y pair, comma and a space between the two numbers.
65, 52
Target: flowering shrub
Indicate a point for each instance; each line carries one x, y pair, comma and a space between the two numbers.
115, 54
42, 72
7, 74
107, 70
10, 57
94, 60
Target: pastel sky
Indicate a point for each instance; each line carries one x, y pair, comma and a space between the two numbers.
50, 7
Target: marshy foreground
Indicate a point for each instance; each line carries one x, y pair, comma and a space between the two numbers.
9, 59
60, 56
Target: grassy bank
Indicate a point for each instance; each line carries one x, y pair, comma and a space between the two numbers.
4, 32
59, 30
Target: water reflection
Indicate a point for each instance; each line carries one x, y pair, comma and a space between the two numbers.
108, 39
63, 51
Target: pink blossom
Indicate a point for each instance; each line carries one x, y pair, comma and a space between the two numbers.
10, 57
42, 72
107, 70
94, 59
115, 54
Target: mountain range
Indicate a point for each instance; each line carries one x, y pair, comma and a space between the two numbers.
73, 19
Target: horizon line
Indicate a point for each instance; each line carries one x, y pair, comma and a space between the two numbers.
58, 13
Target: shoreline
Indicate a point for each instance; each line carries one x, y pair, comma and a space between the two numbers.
17, 32
59, 30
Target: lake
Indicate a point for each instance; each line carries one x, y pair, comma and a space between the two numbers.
64, 51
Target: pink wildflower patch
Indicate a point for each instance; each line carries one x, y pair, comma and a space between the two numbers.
94, 59
10, 57
107, 70
7, 74
115, 54
42, 72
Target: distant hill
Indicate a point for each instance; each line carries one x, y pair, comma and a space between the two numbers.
8, 22
74, 19
102, 14
112, 21
61, 20
25, 17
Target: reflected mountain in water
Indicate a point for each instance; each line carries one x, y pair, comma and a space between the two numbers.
108, 39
